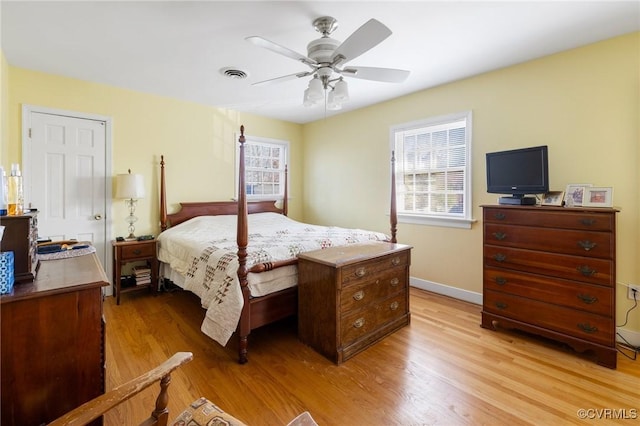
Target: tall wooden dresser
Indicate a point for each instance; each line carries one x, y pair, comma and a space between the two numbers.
350, 297
21, 237
551, 271
52, 341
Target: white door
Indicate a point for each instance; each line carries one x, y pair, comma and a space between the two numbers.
65, 176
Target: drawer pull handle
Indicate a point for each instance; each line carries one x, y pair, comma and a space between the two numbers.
394, 306
587, 245
587, 221
358, 323
587, 298
588, 328
360, 272
358, 295
500, 216
500, 257
395, 261
500, 235
501, 280
137, 251
501, 305
394, 282
586, 271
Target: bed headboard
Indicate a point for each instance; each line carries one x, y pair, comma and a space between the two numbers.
216, 208
212, 208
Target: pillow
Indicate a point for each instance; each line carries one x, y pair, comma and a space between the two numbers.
303, 419
203, 412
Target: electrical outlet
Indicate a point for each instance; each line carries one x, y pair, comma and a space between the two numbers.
630, 293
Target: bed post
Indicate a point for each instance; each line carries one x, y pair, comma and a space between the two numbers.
244, 327
163, 197
285, 200
393, 214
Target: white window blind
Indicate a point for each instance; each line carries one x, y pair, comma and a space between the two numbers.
433, 168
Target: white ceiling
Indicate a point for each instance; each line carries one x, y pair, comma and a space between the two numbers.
177, 48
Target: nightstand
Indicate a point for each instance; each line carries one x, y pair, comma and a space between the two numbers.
134, 251
352, 296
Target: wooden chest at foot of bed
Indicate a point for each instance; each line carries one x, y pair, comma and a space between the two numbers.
350, 297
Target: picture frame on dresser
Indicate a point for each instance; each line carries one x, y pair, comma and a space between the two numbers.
600, 196
574, 194
553, 198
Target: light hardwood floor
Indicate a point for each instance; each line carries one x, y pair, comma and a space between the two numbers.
442, 369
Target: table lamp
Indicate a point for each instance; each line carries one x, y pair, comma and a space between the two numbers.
131, 188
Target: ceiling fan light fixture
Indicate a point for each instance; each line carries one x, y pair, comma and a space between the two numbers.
326, 58
332, 102
316, 91
341, 91
307, 101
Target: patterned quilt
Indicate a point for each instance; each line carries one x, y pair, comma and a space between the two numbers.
204, 251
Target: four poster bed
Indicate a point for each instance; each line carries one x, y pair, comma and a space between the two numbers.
240, 257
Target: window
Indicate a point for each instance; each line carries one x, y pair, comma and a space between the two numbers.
433, 170
265, 161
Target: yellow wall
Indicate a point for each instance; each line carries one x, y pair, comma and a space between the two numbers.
198, 141
582, 103
4, 112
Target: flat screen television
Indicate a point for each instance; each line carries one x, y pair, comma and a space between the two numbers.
518, 172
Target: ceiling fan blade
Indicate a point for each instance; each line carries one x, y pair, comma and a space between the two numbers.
283, 78
274, 47
388, 75
364, 38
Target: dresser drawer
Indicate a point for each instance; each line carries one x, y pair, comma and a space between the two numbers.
361, 294
554, 218
580, 324
138, 250
586, 297
580, 243
360, 322
578, 268
370, 269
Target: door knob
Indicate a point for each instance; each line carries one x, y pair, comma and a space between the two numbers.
98, 217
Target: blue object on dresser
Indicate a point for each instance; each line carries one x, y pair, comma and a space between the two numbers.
7, 275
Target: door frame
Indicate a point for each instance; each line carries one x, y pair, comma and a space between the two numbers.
26, 154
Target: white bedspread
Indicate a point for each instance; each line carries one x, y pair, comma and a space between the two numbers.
204, 251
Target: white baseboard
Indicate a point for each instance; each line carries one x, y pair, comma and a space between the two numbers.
631, 336
445, 290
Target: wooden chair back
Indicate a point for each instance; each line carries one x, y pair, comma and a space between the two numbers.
95, 408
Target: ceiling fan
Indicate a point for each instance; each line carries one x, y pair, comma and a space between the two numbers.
326, 58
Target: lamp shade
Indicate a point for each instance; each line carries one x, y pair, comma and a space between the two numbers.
332, 103
307, 101
130, 186
341, 91
316, 91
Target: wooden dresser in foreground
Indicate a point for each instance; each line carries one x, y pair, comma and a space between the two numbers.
551, 271
350, 297
52, 341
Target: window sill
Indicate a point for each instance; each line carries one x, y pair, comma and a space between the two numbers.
446, 222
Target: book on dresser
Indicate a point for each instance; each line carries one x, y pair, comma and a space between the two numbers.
551, 271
